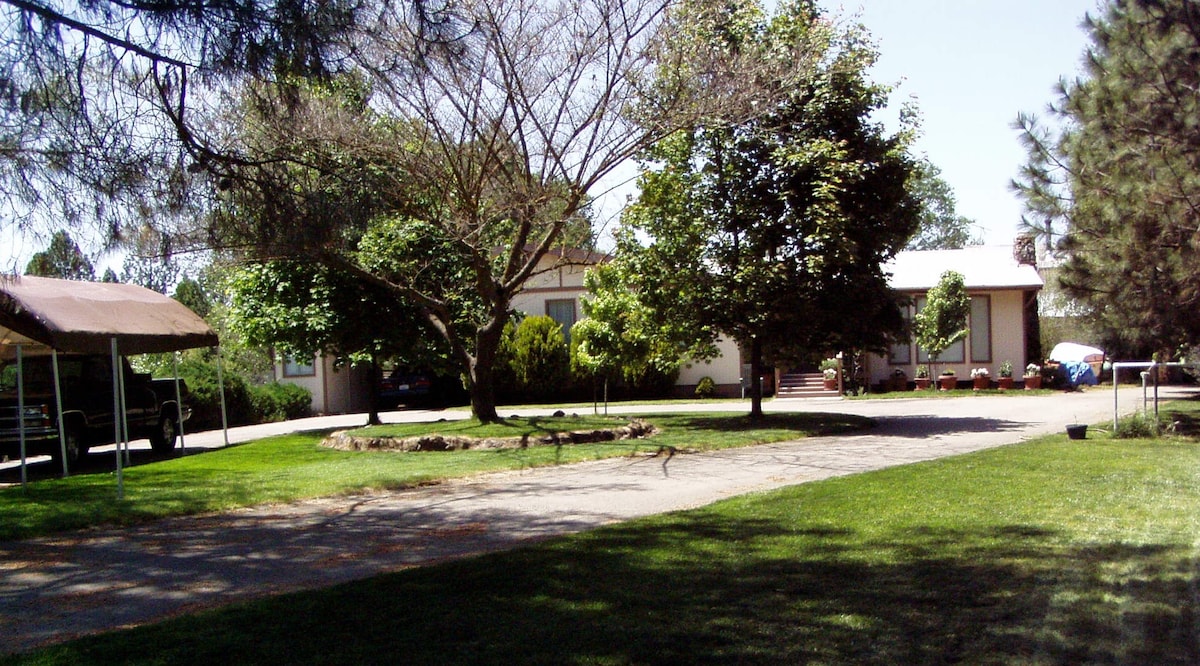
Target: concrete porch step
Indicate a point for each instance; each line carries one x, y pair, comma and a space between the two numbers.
803, 385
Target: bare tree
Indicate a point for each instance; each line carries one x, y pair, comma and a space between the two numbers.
449, 172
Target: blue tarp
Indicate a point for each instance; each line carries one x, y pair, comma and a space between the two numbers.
1078, 372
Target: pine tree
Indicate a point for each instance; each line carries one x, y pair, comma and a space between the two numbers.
1118, 187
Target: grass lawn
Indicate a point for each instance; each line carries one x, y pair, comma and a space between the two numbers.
1047, 552
283, 469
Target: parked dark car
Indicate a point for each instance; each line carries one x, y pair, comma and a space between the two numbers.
420, 386
404, 386
87, 392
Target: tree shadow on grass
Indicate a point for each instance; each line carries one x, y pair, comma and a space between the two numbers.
700, 587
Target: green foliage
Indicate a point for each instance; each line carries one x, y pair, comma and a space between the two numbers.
204, 395
940, 227
618, 337
191, 294
1137, 426
706, 387
1113, 178
943, 320
304, 308
280, 401
540, 361
772, 230
62, 259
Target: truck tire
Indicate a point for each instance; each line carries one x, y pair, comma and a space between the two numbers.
76, 446
162, 440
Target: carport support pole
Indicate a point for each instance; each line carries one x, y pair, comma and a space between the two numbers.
117, 409
221, 386
178, 404
62, 430
21, 410
124, 441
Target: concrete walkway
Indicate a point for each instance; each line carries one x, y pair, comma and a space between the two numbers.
56, 588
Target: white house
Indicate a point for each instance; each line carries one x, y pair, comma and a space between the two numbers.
1003, 292
1003, 295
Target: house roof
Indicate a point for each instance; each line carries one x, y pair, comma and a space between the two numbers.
74, 316
982, 267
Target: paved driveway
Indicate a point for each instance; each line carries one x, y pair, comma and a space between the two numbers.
57, 587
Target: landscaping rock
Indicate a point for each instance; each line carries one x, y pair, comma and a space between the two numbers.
636, 429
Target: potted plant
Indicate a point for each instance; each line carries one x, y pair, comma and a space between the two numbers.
980, 378
1006, 376
829, 372
1033, 377
922, 381
947, 380
899, 380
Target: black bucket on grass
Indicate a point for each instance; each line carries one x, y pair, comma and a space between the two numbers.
1077, 431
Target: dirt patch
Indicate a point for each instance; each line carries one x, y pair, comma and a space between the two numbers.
636, 429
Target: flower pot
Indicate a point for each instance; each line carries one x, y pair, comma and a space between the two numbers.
1033, 382
1005, 383
1077, 431
980, 383
948, 382
922, 383
829, 384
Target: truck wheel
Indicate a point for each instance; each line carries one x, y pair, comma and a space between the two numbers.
162, 440
75, 444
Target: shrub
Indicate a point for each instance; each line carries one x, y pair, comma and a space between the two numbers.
1137, 426
540, 361
204, 395
280, 401
706, 387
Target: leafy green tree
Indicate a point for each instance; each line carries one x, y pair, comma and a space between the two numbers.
943, 320
618, 338
303, 309
452, 179
773, 229
940, 227
62, 259
1111, 182
191, 294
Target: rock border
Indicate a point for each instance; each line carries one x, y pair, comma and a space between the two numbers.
635, 429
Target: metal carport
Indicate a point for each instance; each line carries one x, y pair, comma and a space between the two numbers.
94, 318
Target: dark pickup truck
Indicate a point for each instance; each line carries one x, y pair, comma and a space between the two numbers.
87, 393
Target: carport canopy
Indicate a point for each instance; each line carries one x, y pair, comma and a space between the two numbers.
84, 317
94, 318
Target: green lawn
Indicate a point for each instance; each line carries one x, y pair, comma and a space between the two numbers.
1047, 552
282, 469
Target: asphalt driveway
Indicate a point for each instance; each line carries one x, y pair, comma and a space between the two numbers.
55, 588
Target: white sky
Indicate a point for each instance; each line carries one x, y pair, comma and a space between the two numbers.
971, 66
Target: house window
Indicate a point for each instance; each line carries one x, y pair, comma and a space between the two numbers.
901, 352
981, 329
293, 367
562, 310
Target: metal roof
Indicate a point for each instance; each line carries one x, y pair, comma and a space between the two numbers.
983, 267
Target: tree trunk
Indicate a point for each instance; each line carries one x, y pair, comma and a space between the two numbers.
482, 372
756, 410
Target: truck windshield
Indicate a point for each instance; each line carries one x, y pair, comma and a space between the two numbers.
39, 373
